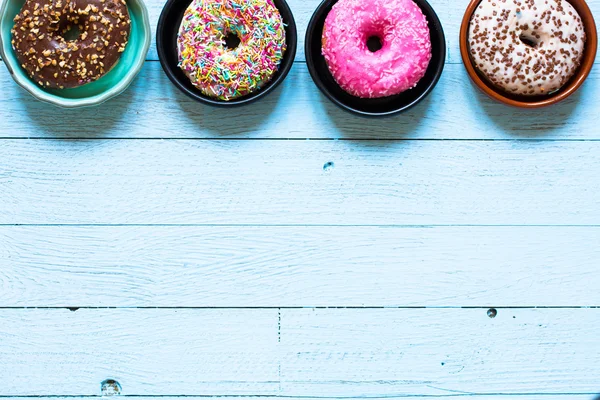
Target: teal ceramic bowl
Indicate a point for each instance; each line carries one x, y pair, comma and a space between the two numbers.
94, 93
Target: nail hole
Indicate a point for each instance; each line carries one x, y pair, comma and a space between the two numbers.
110, 387
492, 312
73, 308
232, 41
443, 364
328, 166
374, 44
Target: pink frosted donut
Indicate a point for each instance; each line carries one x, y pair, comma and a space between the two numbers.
402, 61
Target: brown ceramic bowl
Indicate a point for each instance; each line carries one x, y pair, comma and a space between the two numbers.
535, 101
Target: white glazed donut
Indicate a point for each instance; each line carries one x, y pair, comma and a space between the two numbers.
527, 47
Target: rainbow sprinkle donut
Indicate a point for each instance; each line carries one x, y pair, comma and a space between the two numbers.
212, 65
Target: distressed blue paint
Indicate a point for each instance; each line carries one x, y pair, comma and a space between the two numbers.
417, 219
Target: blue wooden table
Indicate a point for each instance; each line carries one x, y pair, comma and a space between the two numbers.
288, 249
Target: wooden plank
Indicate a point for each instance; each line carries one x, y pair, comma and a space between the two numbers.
564, 396
450, 13
129, 266
299, 182
60, 352
403, 352
304, 352
154, 108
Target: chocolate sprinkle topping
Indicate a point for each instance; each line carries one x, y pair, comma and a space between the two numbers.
527, 47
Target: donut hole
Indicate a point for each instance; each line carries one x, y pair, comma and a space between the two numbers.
232, 41
374, 43
529, 40
71, 32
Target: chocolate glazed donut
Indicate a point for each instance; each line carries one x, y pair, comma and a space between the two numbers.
54, 61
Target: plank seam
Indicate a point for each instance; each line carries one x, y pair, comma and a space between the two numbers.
465, 394
303, 225
309, 307
300, 139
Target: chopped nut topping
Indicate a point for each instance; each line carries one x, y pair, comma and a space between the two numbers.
38, 39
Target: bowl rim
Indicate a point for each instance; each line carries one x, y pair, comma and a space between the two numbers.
248, 99
310, 31
98, 99
496, 94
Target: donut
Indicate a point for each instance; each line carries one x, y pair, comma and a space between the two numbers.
53, 61
401, 30
528, 47
221, 70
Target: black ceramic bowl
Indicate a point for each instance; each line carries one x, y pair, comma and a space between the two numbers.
385, 106
166, 44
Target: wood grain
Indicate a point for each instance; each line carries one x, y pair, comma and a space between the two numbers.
339, 221
538, 396
336, 353
391, 352
129, 266
147, 351
292, 183
154, 108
